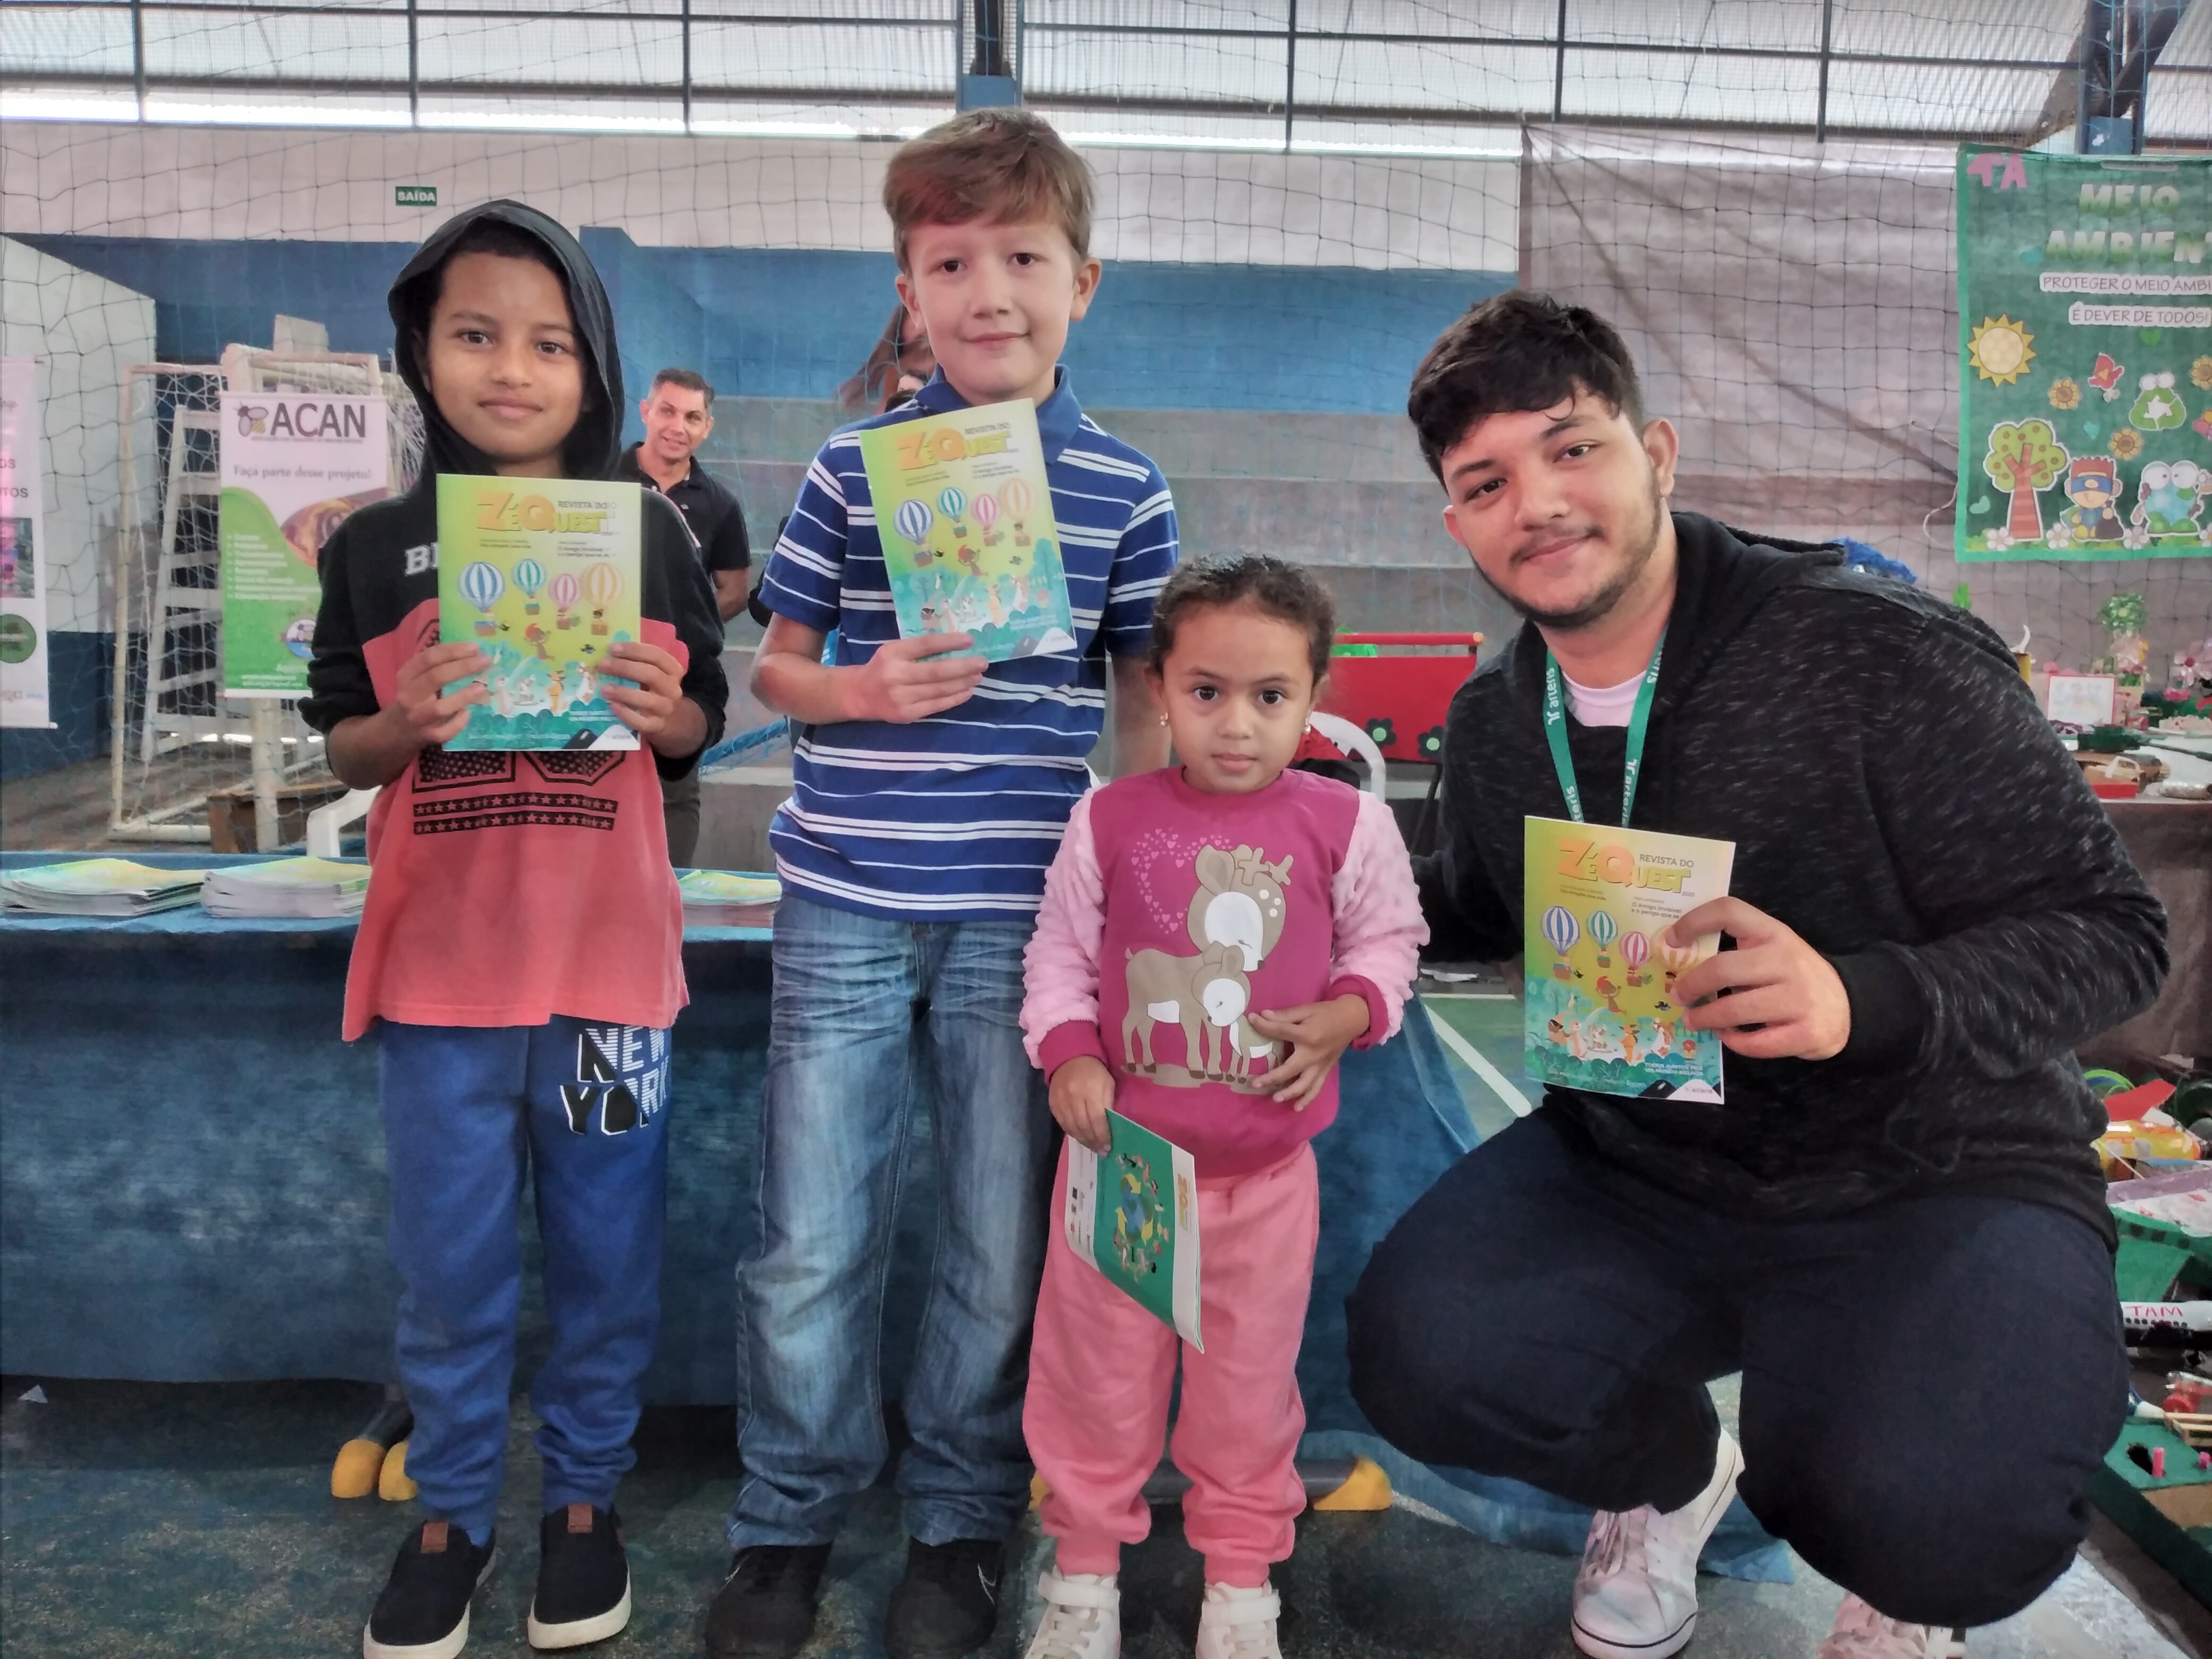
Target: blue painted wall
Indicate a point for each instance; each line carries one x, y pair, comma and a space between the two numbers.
781, 323
77, 669
658, 324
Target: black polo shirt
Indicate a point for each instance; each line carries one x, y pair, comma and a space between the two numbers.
717, 522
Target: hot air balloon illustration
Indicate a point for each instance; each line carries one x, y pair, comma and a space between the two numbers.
912, 520
481, 585
987, 514
563, 592
1602, 930
1635, 951
602, 582
951, 503
529, 577
1676, 960
1560, 932
1018, 499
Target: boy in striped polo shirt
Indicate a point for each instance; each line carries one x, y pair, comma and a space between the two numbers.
930, 795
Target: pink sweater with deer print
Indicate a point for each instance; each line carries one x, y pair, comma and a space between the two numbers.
1170, 915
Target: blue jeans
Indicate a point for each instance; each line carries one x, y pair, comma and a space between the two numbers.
583, 1107
860, 1004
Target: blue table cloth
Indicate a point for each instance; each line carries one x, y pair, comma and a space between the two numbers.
193, 1182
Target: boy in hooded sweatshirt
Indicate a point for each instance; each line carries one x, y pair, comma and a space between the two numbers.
520, 949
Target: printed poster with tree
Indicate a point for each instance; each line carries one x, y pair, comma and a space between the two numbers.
2085, 335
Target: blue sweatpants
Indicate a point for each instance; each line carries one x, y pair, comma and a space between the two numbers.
583, 1108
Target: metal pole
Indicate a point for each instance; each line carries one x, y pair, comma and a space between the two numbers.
414, 69
139, 53
1559, 68
265, 719
687, 66
1289, 74
1827, 33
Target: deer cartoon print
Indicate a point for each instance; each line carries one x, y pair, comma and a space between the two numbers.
1236, 915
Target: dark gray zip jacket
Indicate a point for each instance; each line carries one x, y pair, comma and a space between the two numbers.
1896, 797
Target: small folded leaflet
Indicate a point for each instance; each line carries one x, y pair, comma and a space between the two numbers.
1133, 1214
303, 887
99, 887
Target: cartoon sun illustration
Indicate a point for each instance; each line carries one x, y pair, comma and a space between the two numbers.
2200, 373
2001, 349
2065, 394
2127, 443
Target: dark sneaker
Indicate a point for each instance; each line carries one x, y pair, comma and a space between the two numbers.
583, 1578
423, 1611
947, 1604
765, 1608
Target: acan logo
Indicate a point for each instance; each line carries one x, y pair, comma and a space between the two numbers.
308, 417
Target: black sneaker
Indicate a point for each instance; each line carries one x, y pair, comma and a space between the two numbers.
583, 1578
947, 1604
423, 1611
765, 1608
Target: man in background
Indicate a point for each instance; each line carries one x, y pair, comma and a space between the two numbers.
679, 411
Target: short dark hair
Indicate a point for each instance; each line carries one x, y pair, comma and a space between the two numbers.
1274, 587
689, 378
492, 236
1003, 166
1516, 351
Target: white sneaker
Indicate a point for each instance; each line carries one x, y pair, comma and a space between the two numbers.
1862, 1633
1082, 1616
1636, 1596
1239, 1624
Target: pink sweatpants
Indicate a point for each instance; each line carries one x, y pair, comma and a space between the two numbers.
1101, 1370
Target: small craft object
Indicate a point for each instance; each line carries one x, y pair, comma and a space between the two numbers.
359, 1469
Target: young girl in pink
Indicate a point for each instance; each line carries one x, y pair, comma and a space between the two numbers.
1213, 936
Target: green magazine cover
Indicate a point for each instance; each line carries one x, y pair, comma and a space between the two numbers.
542, 575
963, 512
1134, 1213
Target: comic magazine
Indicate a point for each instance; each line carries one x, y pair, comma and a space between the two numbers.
1601, 1009
1134, 1213
542, 575
963, 511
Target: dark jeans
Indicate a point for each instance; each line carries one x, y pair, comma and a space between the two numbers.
1926, 1383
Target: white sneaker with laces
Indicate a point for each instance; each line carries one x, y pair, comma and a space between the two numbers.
1239, 1624
1862, 1633
1082, 1616
1636, 1595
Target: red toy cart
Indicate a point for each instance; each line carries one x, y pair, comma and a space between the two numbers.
1398, 700
1400, 703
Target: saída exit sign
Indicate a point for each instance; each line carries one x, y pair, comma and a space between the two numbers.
414, 196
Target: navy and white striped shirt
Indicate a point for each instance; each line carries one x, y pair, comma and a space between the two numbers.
955, 817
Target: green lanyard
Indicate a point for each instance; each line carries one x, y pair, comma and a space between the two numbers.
1555, 732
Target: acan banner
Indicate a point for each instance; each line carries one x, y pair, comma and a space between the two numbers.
294, 463
23, 550
2085, 338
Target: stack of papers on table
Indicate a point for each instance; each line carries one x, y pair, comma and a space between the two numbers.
98, 887
287, 887
722, 898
